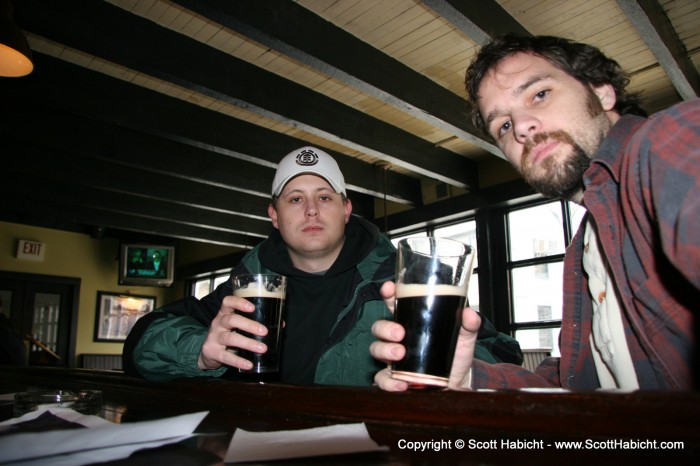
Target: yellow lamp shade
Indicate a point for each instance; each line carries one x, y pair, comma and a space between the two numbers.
14, 63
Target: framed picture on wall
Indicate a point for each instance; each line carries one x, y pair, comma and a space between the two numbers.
116, 314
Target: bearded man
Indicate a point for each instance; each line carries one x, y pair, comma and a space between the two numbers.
559, 112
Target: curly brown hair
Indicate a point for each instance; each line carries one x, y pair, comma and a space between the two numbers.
583, 62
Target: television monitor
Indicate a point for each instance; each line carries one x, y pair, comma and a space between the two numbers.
146, 264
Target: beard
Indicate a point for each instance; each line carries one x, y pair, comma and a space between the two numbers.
561, 175
557, 176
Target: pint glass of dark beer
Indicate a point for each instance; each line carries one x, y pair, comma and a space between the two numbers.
267, 292
432, 275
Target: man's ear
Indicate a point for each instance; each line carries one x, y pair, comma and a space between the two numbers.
348, 210
606, 95
272, 213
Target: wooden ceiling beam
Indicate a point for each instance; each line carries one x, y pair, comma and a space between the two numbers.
49, 213
296, 32
654, 27
174, 130
36, 187
93, 27
480, 21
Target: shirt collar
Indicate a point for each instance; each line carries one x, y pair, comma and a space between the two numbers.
611, 151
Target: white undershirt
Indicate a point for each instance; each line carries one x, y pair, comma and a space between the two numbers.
611, 354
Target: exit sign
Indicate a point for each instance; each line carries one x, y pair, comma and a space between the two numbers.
31, 250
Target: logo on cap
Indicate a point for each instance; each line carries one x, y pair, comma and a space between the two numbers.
306, 158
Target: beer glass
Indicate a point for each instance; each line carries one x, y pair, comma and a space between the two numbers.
432, 275
267, 292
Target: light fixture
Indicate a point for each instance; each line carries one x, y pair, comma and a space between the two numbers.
15, 55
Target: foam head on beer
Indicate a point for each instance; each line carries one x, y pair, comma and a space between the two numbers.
312, 161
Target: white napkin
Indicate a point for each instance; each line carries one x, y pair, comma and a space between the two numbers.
319, 441
101, 441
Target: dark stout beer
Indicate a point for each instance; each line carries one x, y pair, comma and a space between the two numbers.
268, 311
431, 316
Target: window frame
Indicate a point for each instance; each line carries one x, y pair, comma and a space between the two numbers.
511, 265
212, 278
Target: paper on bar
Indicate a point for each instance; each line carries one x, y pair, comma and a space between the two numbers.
319, 441
99, 441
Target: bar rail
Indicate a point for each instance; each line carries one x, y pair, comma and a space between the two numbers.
490, 423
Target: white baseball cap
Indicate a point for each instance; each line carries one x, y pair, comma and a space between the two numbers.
308, 160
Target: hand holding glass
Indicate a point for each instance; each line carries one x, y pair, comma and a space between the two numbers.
432, 276
267, 292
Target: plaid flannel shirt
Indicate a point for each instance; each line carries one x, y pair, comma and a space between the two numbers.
643, 194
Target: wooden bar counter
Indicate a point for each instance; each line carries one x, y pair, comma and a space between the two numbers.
499, 427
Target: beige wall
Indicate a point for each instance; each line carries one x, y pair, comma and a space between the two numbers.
75, 255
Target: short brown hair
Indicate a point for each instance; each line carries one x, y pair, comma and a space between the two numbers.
583, 62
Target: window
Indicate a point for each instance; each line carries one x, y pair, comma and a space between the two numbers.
395, 240
203, 286
537, 236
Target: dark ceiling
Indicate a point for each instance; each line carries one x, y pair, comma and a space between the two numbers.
167, 119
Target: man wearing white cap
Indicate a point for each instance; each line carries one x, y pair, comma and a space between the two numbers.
335, 264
